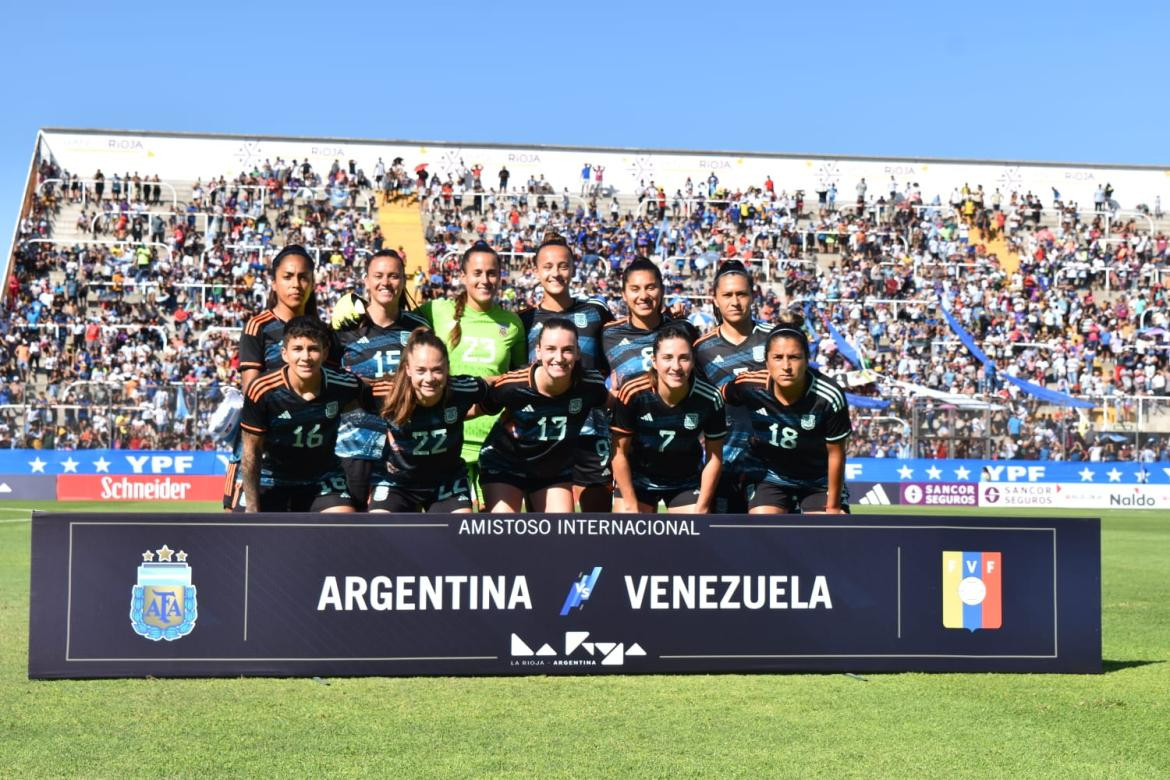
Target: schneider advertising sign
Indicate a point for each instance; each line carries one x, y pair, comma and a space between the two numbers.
292, 595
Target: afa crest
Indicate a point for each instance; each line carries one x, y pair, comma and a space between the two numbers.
162, 604
580, 319
691, 421
758, 353
808, 421
574, 405
450, 414
331, 409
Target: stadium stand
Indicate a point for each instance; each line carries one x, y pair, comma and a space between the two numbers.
126, 291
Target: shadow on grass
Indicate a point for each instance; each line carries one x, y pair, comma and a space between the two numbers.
1116, 666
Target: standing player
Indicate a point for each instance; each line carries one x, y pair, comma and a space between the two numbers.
483, 339
371, 348
529, 452
800, 422
290, 425
424, 409
628, 342
657, 423
554, 261
292, 295
736, 345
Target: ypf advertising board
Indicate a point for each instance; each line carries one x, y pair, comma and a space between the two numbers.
292, 595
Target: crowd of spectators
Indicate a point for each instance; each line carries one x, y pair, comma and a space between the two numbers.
116, 328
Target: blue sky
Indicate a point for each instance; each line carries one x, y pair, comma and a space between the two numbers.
1083, 82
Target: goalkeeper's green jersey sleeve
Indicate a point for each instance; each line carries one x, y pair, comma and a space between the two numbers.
492, 343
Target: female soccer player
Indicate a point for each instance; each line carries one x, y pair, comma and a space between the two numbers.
554, 262
628, 342
424, 409
657, 423
800, 422
529, 452
290, 425
371, 348
292, 295
482, 338
734, 346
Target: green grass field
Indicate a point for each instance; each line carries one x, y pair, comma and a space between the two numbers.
964, 725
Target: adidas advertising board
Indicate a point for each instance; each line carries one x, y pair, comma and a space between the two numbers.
303, 595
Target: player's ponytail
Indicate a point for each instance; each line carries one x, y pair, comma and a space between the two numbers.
400, 401
553, 238
790, 325
456, 333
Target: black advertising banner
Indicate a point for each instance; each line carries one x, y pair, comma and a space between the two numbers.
296, 595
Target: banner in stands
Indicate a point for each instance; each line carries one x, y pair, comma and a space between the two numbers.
55, 462
301, 595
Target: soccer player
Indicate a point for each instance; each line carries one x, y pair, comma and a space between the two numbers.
529, 452
483, 339
554, 261
628, 342
292, 295
736, 345
424, 409
371, 348
290, 423
657, 423
799, 426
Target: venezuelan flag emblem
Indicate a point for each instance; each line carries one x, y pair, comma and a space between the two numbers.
972, 589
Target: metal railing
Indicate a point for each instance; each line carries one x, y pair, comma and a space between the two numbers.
87, 185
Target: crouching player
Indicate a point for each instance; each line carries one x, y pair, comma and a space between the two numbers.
424, 408
290, 423
528, 456
800, 422
657, 423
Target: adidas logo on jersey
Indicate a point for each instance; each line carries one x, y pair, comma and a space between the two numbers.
624, 343
718, 359
876, 495
648, 417
528, 408
284, 415
762, 411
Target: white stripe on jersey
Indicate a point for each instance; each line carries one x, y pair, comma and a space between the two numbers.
830, 389
344, 379
833, 403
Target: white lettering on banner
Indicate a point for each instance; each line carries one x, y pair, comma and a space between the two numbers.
161, 464
727, 591
404, 593
522, 157
576, 526
714, 164
1013, 473
1074, 495
852, 471
158, 490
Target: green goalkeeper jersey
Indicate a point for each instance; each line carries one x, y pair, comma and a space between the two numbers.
492, 343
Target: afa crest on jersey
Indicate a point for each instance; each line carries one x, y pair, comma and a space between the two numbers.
162, 604
574, 405
404, 337
691, 421
503, 331
450, 415
580, 319
808, 421
331, 409
758, 353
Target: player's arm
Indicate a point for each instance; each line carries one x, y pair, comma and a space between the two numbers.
710, 475
622, 474
250, 469
836, 452
251, 353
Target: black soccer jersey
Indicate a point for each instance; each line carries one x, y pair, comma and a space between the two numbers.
299, 435
536, 433
666, 453
588, 316
629, 349
789, 441
260, 343
721, 361
372, 352
426, 448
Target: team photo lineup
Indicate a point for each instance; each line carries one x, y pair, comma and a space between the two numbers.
461, 405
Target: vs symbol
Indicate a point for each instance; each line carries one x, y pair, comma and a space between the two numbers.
580, 590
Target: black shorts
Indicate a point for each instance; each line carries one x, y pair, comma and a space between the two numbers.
792, 500
591, 462
528, 485
445, 496
730, 495
327, 493
357, 480
671, 497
